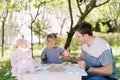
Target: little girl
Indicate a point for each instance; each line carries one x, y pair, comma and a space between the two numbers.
22, 61
53, 53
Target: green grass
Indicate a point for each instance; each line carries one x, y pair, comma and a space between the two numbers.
5, 67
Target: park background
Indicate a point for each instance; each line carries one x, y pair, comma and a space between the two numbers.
34, 19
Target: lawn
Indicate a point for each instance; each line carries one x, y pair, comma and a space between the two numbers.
5, 67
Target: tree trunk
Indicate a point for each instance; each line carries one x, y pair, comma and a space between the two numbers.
31, 26
89, 7
71, 33
69, 38
32, 37
3, 24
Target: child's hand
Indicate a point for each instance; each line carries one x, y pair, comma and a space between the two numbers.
43, 56
60, 57
66, 53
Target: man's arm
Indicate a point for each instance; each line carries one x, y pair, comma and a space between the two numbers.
105, 70
74, 59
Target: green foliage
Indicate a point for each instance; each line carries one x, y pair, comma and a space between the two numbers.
117, 59
75, 45
17, 6
8, 1
1, 19
113, 2
0, 1
61, 40
36, 5
5, 65
37, 28
5, 70
113, 11
42, 2
109, 11
103, 28
40, 26
58, 3
25, 6
112, 38
1, 6
39, 46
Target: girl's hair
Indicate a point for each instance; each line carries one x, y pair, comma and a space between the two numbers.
52, 35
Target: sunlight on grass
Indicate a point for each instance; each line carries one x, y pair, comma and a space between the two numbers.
116, 50
118, 64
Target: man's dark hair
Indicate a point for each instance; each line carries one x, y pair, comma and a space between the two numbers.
84, 28
52, 35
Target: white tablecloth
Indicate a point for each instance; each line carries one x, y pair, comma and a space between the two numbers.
72, 72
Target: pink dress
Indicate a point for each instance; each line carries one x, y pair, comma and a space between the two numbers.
22, 62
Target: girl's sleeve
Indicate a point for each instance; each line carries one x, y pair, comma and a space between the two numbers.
61, 50
44, 51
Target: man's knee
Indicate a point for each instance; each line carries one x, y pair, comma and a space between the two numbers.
84, 78
97, 78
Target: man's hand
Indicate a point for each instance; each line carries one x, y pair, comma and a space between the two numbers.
68, 58
82, 64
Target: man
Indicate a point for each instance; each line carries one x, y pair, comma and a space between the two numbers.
96, 57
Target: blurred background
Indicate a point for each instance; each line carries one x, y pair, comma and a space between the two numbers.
34, 19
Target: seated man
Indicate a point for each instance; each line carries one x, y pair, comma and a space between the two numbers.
96, 57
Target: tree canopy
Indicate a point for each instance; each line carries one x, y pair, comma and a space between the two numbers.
59, 16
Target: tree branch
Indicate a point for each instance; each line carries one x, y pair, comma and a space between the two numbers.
70, 9
79, 7
102, 3
38, 11
87, 10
